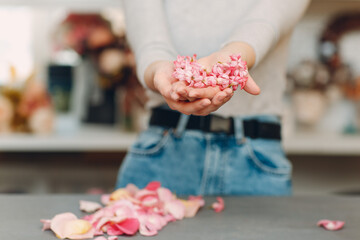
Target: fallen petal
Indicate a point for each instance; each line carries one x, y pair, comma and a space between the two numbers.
130, 226
199, 199
105, 199
219, 205
88, 206
330, 224
112, 238
153, 186
175, 208
191, 207
46, 224
100, 238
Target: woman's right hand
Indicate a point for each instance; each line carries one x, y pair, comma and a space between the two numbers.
158, 77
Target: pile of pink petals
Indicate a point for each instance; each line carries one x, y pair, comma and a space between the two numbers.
330, 224
232, 74
127, 211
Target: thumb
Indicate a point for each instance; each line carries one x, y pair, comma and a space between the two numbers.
251, 87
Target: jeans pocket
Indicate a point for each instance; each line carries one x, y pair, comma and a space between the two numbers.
150, 142
268, 156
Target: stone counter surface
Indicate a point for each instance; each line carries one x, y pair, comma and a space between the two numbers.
243, 218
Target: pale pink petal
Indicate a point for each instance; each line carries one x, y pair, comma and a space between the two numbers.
105, 199
100, 238
219, 205
143, 230
191, 207
200, 199
144, 193
175, 208
46, 224
67, 225
112, 238
88, 206
150, 201
58, 223
330, 224
132, 189
106, 220
165, 195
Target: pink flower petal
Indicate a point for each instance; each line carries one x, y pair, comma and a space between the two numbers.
46, 224
113, 230
330, 224
175, 208
165, 195
153, 186
88, 206
191, 207
219, 205
105, 199
112, 238
67, 225
100, 238
130, 226
199, 199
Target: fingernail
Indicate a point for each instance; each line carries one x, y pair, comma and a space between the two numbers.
205, 104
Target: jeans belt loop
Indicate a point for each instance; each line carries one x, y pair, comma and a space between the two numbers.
180, 128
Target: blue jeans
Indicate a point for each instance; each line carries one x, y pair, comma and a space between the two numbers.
192, 162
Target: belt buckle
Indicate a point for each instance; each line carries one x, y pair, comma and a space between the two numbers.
220, 124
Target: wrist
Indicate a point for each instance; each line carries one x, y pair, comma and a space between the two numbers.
149, 75
245, 50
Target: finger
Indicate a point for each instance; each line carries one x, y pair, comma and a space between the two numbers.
251, 87
208, 92
189, 107
220, 97
216, 103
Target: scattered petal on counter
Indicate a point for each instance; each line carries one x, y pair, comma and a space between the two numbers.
100, 238
67, 225
46, 224
112, 238
330, 224
127, 211
219, 205
88, 206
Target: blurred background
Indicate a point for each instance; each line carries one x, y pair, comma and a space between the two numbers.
71, 105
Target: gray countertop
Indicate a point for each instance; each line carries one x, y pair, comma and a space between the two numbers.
243, 218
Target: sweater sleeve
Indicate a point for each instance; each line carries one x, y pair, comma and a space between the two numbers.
147, 32
266, 23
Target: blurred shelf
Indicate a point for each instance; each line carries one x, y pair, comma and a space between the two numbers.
87, 138
322, 144
98, 138
63, 3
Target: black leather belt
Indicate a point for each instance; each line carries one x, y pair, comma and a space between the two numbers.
216, 124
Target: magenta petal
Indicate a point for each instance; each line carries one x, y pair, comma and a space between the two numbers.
219, 205
113, 230
153, 186
130, 226
331, 225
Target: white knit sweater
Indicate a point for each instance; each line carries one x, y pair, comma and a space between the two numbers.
163, 29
